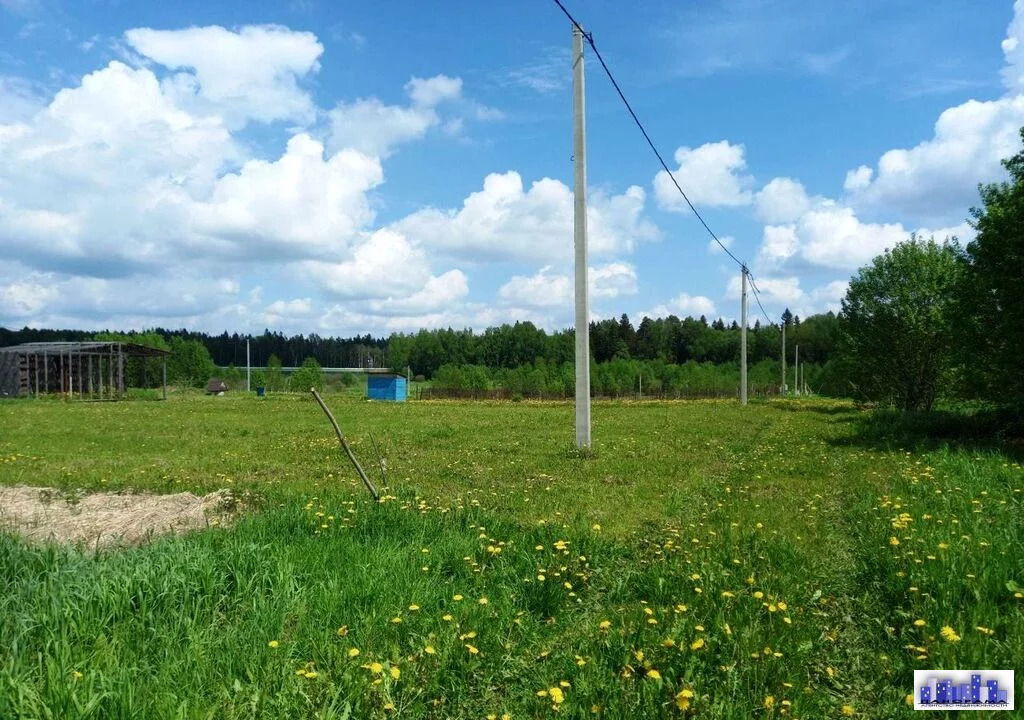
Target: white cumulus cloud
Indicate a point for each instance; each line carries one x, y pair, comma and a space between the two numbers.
252, 73
504, 221
714, 174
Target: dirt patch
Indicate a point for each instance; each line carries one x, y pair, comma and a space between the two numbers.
100, 520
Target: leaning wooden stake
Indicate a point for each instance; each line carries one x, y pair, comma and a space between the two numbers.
344, 445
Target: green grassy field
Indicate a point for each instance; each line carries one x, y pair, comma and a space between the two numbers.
706, 560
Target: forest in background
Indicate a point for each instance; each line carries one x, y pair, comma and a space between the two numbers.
667, 355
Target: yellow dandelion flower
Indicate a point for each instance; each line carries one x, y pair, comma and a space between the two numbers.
909, 699
727, 594
920, 623
342, 631
788, 620
396, 620
758, 594
429, 650
668, 642
769, 702
653, 674
683, 698
949, 634
639, 655
414, 607
541, 578
580, 661
472, 650
76, 675
482, 601
375, 667
697, 644
782, 605
848, 711
353, 652
651, 621
273, 643
556, 695
542, 693
457, 598
396, 672
389, 706
447, 618
894, 541
604, 624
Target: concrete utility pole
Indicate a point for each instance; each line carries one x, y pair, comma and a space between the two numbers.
796, 369
248, 368
743, 339
783, 390
580, 241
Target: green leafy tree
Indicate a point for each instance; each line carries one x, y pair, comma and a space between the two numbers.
897, 318
309, 375
275, 375
190, 362
993, 290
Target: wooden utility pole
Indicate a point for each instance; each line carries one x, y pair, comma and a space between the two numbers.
580, 243
796, 369
782, 390
743, 339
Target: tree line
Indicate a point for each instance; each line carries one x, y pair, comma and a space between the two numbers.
929, 321
662, 345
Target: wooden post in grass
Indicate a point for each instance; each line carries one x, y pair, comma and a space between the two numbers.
344, 445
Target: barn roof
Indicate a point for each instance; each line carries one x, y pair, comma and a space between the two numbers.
97, 346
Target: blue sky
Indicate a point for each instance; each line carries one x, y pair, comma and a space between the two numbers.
343, 167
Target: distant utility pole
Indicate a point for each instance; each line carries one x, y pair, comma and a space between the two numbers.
580, 241
743, 339
796, 369
783, 389
248, 368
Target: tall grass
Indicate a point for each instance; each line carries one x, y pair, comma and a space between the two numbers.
705, 560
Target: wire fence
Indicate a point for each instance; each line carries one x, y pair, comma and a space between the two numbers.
436, 393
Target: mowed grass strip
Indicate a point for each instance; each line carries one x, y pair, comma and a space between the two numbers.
707, 560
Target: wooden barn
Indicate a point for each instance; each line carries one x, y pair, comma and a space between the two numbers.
78, 370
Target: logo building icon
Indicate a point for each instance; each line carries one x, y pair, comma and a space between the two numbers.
963, 689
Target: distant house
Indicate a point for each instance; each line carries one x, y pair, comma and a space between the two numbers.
215, 387
386, 386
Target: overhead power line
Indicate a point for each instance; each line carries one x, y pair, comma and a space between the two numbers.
597, 53
753, 286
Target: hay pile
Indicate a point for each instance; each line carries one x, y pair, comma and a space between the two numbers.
101, 520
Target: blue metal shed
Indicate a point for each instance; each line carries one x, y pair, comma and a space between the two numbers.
386, 387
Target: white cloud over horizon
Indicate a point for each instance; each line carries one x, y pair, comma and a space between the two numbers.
204, 179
